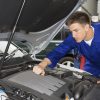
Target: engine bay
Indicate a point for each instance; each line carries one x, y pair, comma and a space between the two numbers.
20, 83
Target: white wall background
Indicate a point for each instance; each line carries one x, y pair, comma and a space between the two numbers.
91, 6
98, 8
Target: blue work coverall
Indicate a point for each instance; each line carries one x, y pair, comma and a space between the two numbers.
91, 53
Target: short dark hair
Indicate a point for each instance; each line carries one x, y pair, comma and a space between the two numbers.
78, 17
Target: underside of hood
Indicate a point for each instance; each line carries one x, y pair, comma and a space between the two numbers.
37, 15
39, 21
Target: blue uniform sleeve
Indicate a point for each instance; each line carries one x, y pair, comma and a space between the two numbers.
55, 55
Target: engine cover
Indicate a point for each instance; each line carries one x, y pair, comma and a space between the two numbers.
41, 87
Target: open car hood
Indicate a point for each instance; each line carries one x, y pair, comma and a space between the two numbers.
39, 21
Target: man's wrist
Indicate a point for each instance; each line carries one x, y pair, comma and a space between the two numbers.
44, 63
47, 60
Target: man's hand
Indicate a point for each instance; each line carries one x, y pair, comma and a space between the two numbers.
38, 70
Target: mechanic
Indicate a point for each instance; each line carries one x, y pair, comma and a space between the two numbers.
84, 36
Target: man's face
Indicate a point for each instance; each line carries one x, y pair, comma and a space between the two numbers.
79, 31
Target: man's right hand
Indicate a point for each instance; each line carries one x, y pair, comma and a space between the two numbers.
39, 69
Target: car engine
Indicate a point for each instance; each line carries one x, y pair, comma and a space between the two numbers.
57, 84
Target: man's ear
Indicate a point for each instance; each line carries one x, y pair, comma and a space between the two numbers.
87, 26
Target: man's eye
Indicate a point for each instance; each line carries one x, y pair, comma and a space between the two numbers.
76, 30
